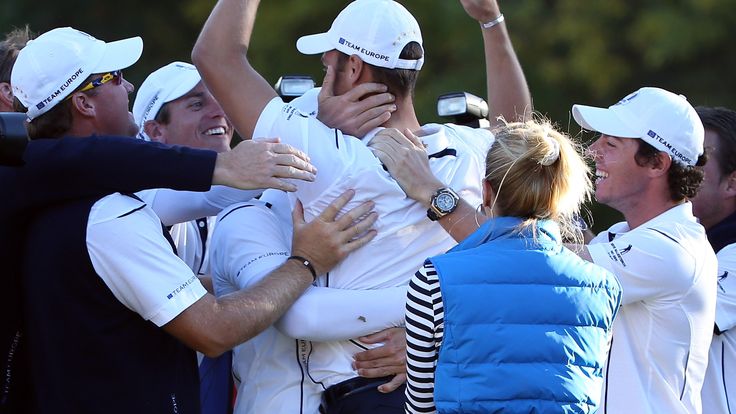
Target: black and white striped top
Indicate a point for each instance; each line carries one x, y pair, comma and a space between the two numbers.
424, 328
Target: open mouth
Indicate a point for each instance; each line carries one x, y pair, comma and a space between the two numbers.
215, 131
600, 176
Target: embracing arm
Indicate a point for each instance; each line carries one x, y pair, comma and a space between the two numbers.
180, 206
213, 326
67, 168
348, 313
406, 160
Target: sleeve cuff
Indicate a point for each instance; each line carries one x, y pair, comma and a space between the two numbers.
178, 301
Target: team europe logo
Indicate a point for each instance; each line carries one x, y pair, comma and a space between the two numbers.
720, 279
617, 255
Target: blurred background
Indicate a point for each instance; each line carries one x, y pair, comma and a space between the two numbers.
572, 51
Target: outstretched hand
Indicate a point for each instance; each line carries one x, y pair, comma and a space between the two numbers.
356, 112
406, 160
327, 239
481, 10
262, 164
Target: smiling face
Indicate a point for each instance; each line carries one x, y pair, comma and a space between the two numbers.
620, 181
196, 120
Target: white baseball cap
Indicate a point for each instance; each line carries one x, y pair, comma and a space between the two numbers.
663, 119
375, 30
162, 86
52, 66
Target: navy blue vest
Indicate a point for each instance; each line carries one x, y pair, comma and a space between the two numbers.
526, 323
91, 354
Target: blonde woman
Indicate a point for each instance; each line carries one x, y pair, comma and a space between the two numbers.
510, 320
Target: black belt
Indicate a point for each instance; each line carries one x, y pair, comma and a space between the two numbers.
349, 387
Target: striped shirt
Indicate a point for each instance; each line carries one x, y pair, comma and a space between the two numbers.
424, 328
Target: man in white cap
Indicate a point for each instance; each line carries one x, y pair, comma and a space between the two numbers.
370, 41
173, 106
113, 301
715, 207
647, 167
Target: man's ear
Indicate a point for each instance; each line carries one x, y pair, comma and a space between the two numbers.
155, 131
83, 105
6, 97
660, 164
357, 69
729, 182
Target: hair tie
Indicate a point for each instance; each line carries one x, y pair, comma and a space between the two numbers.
554, 152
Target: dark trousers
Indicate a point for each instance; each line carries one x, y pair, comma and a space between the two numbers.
361, 396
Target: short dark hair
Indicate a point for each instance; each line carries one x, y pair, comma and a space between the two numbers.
164, 115
56, 122
400, 82
723, 122
14, 41
683, 180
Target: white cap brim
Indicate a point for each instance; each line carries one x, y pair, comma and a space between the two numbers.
314, 44
603, 120
119, 55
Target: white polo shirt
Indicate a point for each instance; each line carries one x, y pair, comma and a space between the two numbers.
271, 369
130, 253
662, 334
406, 237
719, 389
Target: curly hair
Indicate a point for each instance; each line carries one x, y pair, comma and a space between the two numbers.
683, 180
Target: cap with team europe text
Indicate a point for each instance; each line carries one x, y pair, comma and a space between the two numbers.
375, 30
661, 118
160, 87
52, 66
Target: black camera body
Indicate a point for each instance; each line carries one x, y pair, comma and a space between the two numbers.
13, 138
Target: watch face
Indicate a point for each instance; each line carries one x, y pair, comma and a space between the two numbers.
445, 202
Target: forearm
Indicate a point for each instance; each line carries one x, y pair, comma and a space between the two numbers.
180, 206
508, 92
348, 313
460, 223
580, 250
71, 167
235, 318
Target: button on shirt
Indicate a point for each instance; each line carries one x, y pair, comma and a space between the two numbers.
661, 335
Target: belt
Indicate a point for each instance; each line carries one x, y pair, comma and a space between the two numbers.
349, 387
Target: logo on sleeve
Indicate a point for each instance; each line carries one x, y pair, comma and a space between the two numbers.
721, 278
181, 288
617, 255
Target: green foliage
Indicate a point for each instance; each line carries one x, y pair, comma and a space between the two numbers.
572, 50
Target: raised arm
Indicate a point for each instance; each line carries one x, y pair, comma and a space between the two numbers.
220, 56
508, 93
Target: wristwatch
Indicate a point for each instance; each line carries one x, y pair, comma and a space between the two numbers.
442, 203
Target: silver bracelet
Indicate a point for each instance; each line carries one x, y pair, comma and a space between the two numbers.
493, 22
